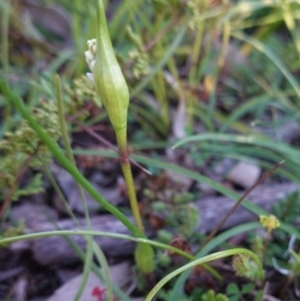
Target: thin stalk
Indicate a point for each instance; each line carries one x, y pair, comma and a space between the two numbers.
181, 108
195, 52
126, 169
267, 239
12, 239
92, 133
225, 42
8, 240
58, 153
194, 66
67, 144
220, 65
158, 83
106, 273
88, 263
59, 192
66, 141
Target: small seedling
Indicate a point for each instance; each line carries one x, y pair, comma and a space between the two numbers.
212, 296
236, 294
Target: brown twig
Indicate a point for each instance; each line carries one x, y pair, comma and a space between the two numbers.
107, 143
245, 194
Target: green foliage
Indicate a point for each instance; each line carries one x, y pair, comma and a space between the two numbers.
137, 57
212, 296
235, 293
164, 260
78, 92
13, 231
34, 186
248, 92
288, 209
23, 149
290, 267
179, 212
295, 263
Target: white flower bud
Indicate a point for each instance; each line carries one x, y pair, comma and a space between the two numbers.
107, 75
90, 55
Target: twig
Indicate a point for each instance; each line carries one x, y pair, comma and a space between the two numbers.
107, 143
245, 194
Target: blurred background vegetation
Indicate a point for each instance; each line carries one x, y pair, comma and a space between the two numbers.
221, 73
193, 66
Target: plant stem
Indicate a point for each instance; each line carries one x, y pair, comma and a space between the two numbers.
67, 143
267, 239
126, 169
67, 164
93, 134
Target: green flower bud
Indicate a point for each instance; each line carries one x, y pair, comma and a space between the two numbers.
245, 266
109, 80
144, 255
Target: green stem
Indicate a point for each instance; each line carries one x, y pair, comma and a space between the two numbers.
67, 143
195, 53
68, 233
202, 260
58, 191
67, 164
267, 239
126, 169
